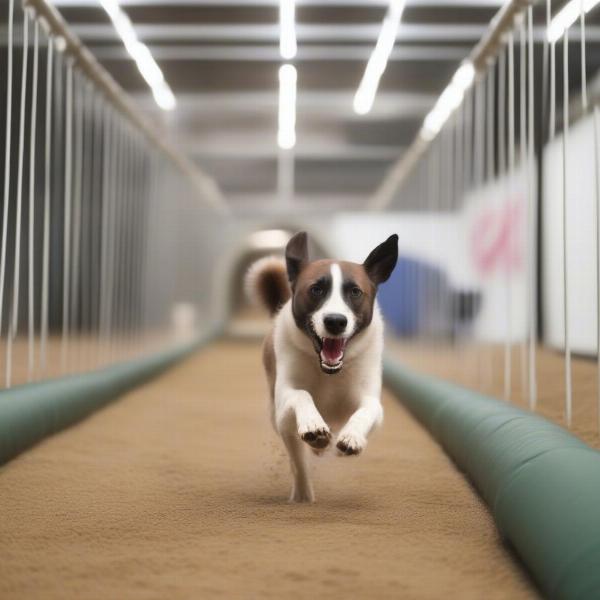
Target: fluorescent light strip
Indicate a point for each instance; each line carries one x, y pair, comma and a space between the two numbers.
139, 52
449, 101
286, 136
565, 17
287, 29
365, 95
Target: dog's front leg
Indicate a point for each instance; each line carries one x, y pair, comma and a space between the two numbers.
296, 413
352, 439
298, 420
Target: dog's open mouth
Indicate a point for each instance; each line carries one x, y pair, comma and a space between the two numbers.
332, 354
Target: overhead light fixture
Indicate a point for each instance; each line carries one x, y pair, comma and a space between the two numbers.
286, 136
287, 29
269, 239
365, 94
566, 16
142, 56
449, 100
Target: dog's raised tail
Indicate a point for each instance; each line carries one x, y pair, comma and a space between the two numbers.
267, 284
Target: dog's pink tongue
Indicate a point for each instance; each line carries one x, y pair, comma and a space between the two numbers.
333, 350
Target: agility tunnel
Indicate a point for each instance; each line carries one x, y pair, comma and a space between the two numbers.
152, 151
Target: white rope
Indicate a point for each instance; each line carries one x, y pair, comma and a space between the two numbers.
95, 229
509, 198
130, 237
47, 192
86, 200
584, 95
6, 196
597, 191
503, 176
139, 224
127, 236
568, 385
12, 330
106, 224
489, 176
67, 217
111, 256
468, 148
75, 324
552, 117
501, 139
468, 171
31, 235
458, 152
479, 125
120, 233
480, 132
491, 92
532, 220
524, 347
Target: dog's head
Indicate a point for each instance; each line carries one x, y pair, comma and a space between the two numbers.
332, 301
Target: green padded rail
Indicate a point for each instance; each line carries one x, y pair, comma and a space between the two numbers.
541, 483
31, 412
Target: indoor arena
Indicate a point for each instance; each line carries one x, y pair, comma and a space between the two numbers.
299, 298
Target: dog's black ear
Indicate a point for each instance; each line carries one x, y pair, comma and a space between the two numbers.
296, 255
382, 260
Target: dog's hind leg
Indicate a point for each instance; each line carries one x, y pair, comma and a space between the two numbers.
302, 490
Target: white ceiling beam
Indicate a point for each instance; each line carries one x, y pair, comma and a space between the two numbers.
265, 203
271, 53
275, 3
323, 152
334, 32
328, 33
330, 104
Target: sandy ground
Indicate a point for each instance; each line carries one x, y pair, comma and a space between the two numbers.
179, 491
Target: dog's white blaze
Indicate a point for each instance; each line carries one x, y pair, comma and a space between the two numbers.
335, 304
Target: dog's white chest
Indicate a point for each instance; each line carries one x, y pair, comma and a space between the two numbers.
335, 396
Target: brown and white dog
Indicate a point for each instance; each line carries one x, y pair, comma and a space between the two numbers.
326, 323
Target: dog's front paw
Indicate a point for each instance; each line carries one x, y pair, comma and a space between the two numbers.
315, 435
350, 443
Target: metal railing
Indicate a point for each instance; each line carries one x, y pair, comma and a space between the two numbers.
103, 223
519, 181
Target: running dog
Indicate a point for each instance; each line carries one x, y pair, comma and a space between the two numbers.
323, 354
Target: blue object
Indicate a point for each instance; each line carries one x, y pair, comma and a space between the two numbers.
413, 300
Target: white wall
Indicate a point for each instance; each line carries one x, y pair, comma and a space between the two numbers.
581, 240
431, 238
494, 257
448, 241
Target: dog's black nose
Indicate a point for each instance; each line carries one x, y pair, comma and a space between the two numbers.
335, 323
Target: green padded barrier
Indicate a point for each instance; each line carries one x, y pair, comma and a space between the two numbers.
31, 412
541, 483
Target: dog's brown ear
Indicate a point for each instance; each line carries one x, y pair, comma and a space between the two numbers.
296, 255
382, 260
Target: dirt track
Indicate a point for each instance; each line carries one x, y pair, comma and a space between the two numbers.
179, 491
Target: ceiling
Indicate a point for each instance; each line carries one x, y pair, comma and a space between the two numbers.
221, 59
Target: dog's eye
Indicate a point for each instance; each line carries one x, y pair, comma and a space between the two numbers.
316, 290
355, 292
